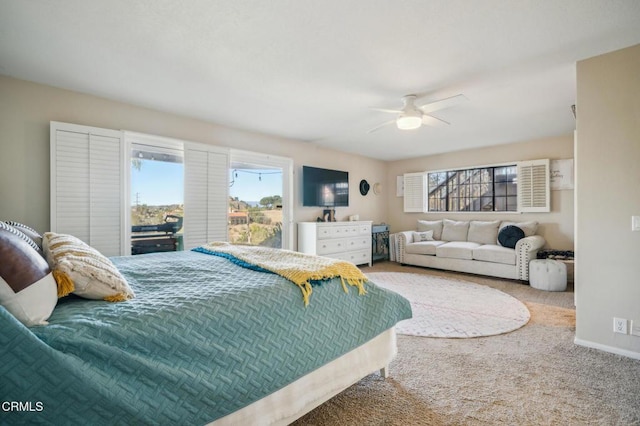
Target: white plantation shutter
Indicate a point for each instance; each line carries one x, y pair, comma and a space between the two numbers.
206, 194
533, 186
87, 185
415, 192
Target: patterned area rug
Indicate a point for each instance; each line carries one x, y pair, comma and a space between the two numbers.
453, 309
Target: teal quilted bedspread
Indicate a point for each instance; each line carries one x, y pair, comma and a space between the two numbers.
202, 338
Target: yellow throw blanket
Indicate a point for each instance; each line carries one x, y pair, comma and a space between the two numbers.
297, 267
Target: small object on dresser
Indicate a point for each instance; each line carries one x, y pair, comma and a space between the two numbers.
329, 215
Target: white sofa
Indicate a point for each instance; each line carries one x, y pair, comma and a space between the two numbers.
472, 246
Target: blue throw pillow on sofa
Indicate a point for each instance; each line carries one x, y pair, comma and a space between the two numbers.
510, 235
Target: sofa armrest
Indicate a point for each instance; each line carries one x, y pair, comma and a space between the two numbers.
526, 250
404, 238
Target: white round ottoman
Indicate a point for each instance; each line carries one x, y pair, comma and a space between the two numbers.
548, 274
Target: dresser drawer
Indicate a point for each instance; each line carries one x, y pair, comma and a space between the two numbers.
331, 246
355, 257
359, 243
343, 244
338, 231
344, 231
324, 232
364, 229
350, 241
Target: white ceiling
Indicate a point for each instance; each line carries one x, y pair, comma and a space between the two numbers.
311, 69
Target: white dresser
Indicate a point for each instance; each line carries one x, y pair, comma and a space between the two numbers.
350, 241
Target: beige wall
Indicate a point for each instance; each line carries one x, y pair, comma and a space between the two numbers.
608, 179
27, 108
556, 227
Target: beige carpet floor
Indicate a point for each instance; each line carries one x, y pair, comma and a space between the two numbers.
535, 375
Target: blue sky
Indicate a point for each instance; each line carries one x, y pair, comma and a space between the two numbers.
158, 183
161, 183
248, 186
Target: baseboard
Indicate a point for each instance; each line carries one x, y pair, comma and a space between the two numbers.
605, 348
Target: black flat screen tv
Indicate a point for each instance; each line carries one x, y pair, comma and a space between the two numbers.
324, 187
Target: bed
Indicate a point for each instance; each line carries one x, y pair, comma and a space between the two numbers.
203, 341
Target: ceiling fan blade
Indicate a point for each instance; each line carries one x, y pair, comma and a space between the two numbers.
432, 121
375, 129
393, 111
443, 103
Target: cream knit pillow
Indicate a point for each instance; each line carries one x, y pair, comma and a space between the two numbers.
83, 270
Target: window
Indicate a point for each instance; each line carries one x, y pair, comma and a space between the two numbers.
520, 187
473, 190
260, 202
194, 190
255, 205
91, 193
157, 198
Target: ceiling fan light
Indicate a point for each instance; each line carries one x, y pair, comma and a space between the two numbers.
408, 122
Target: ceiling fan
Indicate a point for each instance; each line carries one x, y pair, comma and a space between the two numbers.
412, 116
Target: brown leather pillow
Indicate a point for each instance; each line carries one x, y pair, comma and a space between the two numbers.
28, 231
27, 287
6, 227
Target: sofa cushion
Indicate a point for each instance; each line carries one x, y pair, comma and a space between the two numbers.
454, 231
422, 236
483, 232
426, 247
510, 235
431, 225
530, 228
496, 254
457, 250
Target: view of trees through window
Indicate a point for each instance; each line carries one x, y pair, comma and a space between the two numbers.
255, 207
157, 205
157, 202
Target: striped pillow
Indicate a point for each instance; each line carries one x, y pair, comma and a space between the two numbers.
14, 230
83, 270
28, 231
27, 288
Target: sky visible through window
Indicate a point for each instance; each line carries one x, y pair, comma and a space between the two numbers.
162, 183
157, 183
253, 185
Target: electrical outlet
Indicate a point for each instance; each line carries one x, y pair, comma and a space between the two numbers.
635, 328
620, 325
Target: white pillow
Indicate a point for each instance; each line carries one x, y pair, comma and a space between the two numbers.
83, 270
32, 305
422, 236
431, 225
